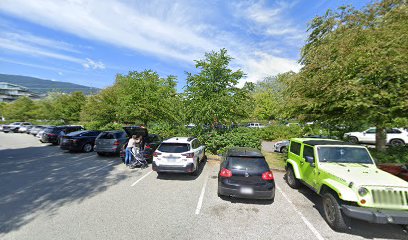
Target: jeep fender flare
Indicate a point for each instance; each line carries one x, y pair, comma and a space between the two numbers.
344, 192
294, 166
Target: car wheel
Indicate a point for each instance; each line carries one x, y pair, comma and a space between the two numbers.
397, 142
87, 147
405, 227
195, 173
291, 179
353, 140
332, 213
284, 150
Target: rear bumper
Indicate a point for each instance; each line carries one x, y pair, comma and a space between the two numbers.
112, 149
374, 215
267, 192
173, 168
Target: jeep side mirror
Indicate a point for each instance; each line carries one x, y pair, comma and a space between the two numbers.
310, 160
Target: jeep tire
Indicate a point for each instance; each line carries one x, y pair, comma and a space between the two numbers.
291, 179
332, 213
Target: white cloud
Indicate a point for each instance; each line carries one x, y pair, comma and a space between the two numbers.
42, 47
178, 30
93, 65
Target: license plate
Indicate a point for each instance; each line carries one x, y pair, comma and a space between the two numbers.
246, 190
171, 159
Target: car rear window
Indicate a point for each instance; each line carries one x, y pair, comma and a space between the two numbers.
106, 135
174, 147
51, 130
247, 163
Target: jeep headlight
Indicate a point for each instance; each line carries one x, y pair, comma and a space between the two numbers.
362, 191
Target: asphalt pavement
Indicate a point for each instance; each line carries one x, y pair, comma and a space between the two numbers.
47, 193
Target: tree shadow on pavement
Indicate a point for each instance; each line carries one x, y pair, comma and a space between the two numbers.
358, 227
39, 180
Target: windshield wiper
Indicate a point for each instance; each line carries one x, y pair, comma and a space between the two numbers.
363, 165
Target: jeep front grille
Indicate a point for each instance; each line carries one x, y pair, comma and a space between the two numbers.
390, 197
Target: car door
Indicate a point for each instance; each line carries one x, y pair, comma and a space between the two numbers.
393, 134
308, 169
368, 136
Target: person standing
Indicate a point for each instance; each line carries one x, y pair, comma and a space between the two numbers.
129, 146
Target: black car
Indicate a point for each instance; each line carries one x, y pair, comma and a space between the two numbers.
151, 142
53, 134
79, 141
244, 173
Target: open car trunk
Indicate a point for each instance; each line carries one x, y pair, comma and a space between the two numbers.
135, 130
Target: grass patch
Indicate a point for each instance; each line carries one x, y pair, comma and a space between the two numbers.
275, 160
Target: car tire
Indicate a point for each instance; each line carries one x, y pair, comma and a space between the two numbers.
284, 150
405, 227
354, 140
291, 179
87, 147
197, 170
397, 142
332, 212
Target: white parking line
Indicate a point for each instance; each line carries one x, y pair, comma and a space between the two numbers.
200, 199
308, 224
87, 157
140, 179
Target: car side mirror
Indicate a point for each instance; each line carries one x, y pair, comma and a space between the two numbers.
310, 160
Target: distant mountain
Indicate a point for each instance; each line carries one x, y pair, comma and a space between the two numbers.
42, 86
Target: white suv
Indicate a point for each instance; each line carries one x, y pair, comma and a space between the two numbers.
395, 136
179, 154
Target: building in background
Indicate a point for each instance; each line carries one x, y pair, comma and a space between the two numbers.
10, 92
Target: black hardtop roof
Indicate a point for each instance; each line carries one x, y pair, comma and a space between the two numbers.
244, 152
326, 142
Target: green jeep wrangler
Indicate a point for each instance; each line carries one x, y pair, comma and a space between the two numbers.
349, 182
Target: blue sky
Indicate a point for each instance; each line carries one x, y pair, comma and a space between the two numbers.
89, 42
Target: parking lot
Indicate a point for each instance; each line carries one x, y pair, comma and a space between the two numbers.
47, 193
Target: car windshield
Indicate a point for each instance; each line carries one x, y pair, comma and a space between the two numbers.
174, 147
344, 155
247, 163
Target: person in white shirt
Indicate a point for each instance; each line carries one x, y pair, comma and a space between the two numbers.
133, 141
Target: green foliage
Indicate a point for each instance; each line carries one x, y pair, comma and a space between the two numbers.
101, 108
354, 67
391, 155
281, 132
22, 109
145, 96
217, 142
211, 96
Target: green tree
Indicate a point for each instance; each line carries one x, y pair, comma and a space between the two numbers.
101, 108
270, 101
146, 97
355, 67
21, 109
66, 107
212, 95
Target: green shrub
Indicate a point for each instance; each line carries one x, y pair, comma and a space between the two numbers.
217, 142
391, 155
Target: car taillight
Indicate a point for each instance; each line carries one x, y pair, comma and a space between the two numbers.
116, 143
267, 176
188, 155
148, 147
156, 154
225, 173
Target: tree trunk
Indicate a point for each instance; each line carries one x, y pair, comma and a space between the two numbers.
380, 138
